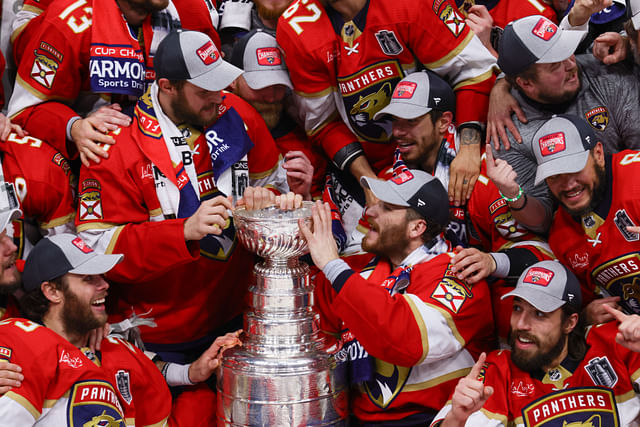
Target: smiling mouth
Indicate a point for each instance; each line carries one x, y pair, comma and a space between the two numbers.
98, 302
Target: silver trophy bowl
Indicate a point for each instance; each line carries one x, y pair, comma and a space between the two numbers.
280, 376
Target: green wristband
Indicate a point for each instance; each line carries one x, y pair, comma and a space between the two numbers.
514, 199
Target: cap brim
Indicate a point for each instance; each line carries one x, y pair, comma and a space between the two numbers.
217, 78
98, 264
260, 79
6, 217
537, 298
402, 110
383, 190
563, 48
564, 164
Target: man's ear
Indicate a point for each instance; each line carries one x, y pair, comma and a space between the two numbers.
444, 122
165, 85
234, 85
416, 228
571, 323
51, 292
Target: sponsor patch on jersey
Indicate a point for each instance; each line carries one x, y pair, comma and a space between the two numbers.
539, 276
404, 90
578, 261
5, 353
268, 56
90, 200
598, 118
388, 381
452, 19
451, 294
621, 276
366, 92
402, 177
552, 143
123, 382
74, 362
574, 407
389, 42
544, 29
601, 372
94, 403
44, 70
208, 53
622, 221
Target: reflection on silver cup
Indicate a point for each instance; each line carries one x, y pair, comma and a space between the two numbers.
281, 376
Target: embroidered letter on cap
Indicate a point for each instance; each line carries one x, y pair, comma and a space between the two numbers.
404, 90
544, 29
539, 276
268, 56
552, 143
208, 53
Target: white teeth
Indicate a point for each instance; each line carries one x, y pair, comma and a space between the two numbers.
98, 301
524, 340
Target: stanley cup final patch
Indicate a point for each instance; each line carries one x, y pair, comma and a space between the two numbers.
622, 221
124, 385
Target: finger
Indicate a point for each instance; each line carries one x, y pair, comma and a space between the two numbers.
490, 162
502, 133
90, 157
470, 186
633, 228
523, 119
477, 367
617, 314
84, 160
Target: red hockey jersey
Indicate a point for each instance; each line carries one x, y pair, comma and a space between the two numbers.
599, 390
505, 11
598, 248
423, 338
350, 69
187, 294
53, 74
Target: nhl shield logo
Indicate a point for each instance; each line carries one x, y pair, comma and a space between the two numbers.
389, 42
601, 372
598, 118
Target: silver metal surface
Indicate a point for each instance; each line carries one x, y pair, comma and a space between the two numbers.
280, 376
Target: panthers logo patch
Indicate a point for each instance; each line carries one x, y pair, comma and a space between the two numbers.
598, 118
367, 92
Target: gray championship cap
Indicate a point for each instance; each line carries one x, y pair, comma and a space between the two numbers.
548, 285
192, 56
562, 145
258, 54
415, 189
9, 205
417, 94
60, 254
535, 40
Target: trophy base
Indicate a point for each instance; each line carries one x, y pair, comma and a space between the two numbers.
307, 390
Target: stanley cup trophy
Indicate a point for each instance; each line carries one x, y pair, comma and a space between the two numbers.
280, 376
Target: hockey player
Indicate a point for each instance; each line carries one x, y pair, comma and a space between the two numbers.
553, 375
80, 55
597, 196
162, 199
345, 57
406, 326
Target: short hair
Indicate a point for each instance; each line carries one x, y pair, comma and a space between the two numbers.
576, 342
178, 84
34, 305
528, 73
435, 115
632, 33
433, 228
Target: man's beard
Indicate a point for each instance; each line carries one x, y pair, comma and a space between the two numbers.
271, 112
550, 97
78, 318
599, 191
270, 13
14, 283
391, 241
184, 114
536, 361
